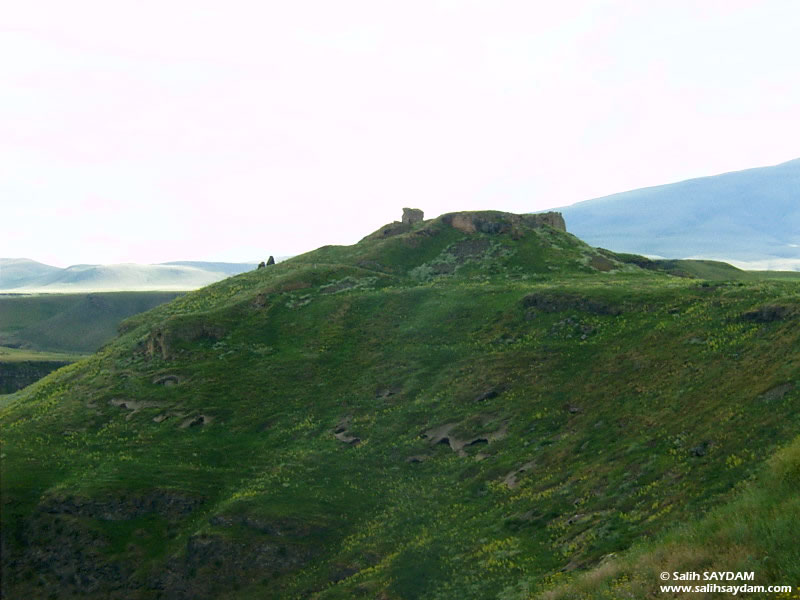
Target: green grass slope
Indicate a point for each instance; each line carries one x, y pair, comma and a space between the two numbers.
756, 532
465, 408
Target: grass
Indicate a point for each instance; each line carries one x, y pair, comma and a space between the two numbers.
8, 355
755, 532
587, 404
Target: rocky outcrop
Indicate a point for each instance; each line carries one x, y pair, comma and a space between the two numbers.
493, 222
552, 219
489, 221
412, 215
61, 549
212, 560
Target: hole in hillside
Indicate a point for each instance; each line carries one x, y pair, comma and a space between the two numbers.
478, 441
166, 380
487, 395
444, 440
198, 421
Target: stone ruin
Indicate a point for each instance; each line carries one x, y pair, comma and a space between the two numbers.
412, 215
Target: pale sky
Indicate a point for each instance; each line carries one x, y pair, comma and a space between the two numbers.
149, 131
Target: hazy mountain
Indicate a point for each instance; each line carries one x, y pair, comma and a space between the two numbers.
217, 267
750, 218
15, 272
24, 275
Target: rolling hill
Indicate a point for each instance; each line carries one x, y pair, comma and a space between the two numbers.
21, 275
475, 406
749, 218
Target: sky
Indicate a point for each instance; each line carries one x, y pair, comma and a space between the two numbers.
230, 130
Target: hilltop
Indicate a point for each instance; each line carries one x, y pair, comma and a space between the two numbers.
747, 217
479, 406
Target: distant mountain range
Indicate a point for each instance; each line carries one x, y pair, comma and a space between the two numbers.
748, 218
22, 275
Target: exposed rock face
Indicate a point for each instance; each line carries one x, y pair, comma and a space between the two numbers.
553, 219
271, 261
412, 215
490, 221
499, 222
63, 544
463, 223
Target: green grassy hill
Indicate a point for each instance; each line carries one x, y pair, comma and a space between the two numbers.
476, 406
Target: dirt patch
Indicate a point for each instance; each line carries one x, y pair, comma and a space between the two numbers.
444, 435
511, 479
768, 313
133, 405
292, 286
342, 433
777, 393
463, 223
